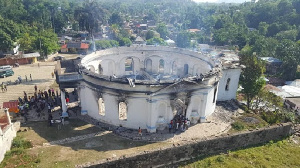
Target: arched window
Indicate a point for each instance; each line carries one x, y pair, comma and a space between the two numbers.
186, 69
122, 111
129, 64
227, 84
174, 68
100, 69
148, 65
161, 66
101, 107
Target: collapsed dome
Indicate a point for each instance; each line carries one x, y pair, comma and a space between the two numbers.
148, 63
148, 86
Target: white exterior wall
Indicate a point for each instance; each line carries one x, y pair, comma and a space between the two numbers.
202, 103
6, 138
234, 75
210, 105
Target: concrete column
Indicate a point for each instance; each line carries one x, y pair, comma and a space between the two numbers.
1, 133
203, 108
7, 114
151, 123
63, 104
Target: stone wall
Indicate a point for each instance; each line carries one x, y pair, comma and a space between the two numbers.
180, 152
6, 137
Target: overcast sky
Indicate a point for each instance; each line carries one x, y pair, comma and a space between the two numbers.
219, 1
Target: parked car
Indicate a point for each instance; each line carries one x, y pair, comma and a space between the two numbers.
6, 71
59, 58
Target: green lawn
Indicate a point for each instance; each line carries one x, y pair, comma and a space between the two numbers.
282, 154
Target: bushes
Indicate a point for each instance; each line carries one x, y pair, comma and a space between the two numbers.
238, 126
18, 150
271, 117
104, 44
277, 117
19, 142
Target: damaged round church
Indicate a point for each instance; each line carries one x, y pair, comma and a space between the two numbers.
148, 86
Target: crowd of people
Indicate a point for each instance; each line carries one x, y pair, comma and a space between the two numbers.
179, 123
40, 101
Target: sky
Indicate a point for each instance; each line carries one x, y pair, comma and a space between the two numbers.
219, 1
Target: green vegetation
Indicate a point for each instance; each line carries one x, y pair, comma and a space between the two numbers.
156, 41
251, 77
104, 145
104, 44
248, 121
279, 154
18, 156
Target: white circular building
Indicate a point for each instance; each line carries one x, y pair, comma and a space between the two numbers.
147, 86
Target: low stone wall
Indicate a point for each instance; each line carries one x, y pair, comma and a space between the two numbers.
6, 137
186, 151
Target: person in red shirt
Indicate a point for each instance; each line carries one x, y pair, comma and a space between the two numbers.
67, 100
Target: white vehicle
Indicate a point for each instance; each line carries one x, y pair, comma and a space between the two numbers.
6, 67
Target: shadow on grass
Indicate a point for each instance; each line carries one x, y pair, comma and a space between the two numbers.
77, 135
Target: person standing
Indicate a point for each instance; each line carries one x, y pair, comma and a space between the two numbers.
67, 100
170, 127
35, 87
26, 78
30, 77
140, 131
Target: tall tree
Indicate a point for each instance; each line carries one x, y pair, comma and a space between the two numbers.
162, 30
251, 77
288, 51
183, 39
90, 16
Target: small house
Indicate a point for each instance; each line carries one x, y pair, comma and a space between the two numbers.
75, 47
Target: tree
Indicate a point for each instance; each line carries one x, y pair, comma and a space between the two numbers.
116, 19
251, 77
125, 41
162, 30
156, 41
9, 32
269, 100
288, 51
149, 34
90, 16
183, 39
27, 43
104, 44
263, 28
47, 42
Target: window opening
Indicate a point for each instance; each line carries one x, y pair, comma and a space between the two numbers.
101, 107
122, 111
227, 84
129, 64
161, 66
186, 69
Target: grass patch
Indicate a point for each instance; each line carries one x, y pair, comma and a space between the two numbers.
18, 156
40, 132
104, 145
280, 154
247, 121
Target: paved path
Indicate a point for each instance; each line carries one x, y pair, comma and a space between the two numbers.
76, 138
